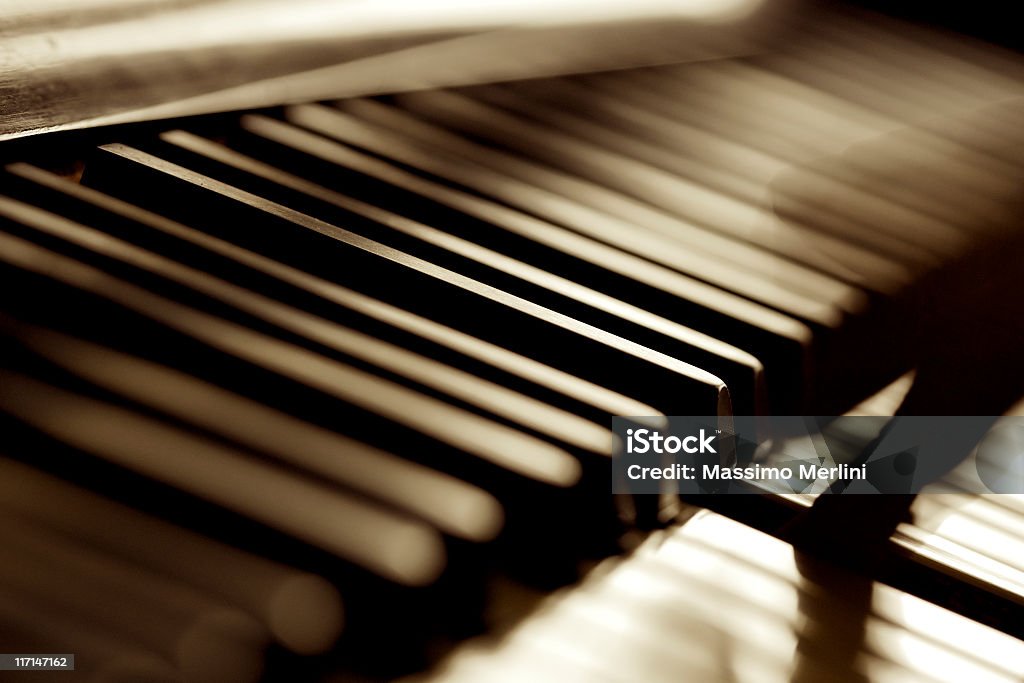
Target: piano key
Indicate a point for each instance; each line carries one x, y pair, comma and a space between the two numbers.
450, 297
383, 542
957, 201
206, 640
562, 209
741, 147
657, 289
893, 228
481, 125
741, 372
793, 121
690, 199
926, 622
670, 143
687, 152
531, 507
731, 265
449, 504
714, 151
585, 396
468, 388
404, 626
541, 485
970, 178
763, 84
749, 120
301, 610
770, 95
776, 353
946, 567
941, 216
646, 514
921, 241
954, 295
752, 611
708, 385
974, 522
616, 628
487, 440
961, 548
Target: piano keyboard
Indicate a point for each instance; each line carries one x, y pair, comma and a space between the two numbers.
283, 391
715, 600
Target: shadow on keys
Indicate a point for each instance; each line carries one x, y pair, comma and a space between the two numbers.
945, 199
714, 600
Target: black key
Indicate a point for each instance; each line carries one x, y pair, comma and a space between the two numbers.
339, 255
741, 371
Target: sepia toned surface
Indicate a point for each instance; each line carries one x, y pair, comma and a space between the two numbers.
323, 391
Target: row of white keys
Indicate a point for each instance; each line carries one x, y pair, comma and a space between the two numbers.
717, 601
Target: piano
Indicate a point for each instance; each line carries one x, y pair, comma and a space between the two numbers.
321, 389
